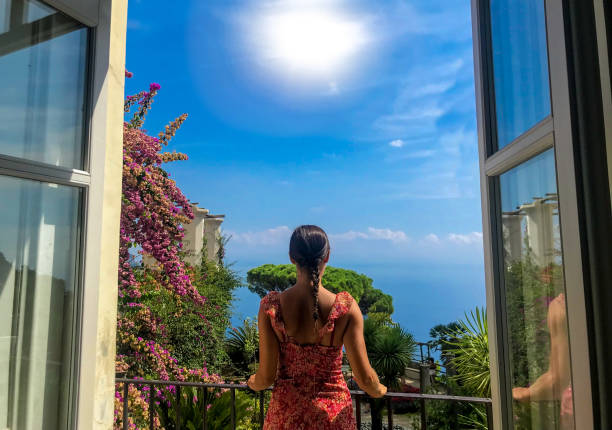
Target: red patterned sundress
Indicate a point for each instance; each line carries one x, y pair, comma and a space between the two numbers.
310, 391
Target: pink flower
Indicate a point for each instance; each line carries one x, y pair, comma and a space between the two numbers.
154, 86
128, 74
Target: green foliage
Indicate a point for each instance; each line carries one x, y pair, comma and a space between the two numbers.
443, 415
471, 354
469, 342
217, 282
442, 335
181, 329
530, 288
191, 404
390, 350
193, 334
242, 346
465, 350
391, 353
375, 301
269, 277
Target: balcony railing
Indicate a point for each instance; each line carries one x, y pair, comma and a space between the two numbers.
358, 396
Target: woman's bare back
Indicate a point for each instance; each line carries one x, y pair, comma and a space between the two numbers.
296, 306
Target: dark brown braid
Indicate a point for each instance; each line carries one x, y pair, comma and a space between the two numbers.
314, 274
309, 247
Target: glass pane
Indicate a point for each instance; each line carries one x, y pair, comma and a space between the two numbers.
36, 10
520, 64
42, 107
4, 15
38, 267
535, 298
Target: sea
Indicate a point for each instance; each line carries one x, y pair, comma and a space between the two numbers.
424, 295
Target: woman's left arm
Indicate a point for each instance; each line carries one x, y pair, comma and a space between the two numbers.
268, 354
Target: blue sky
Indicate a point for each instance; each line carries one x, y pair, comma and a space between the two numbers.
373, 136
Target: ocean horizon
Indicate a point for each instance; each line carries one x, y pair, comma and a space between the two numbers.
422, 294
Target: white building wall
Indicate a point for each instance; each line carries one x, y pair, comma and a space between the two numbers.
202, 235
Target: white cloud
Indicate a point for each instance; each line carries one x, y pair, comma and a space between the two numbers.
373, 233
387, 234
271, 236
434, 88
465, 239
397, 143
362, 245
432, 238
412, 121
349, 235
442, 19
444, 169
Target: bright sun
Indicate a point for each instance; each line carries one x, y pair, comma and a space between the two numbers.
311, 42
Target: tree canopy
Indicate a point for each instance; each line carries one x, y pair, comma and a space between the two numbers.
272, 277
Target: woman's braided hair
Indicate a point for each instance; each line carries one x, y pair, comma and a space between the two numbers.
309, 247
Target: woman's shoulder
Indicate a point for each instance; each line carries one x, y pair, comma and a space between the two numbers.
270, 305
342, 304
344, 298
270, 300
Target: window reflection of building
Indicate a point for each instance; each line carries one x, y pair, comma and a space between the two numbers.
533, 227
534, 295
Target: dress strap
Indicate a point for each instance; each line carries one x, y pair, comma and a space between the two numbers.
342, 304
271, 306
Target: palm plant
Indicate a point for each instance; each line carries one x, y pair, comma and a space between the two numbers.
470, 345
242, 346
192, 403
391, 354
390, 350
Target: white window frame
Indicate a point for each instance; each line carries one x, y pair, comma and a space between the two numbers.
552, 132
93, 367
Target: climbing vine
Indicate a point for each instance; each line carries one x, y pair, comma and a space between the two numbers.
153, 213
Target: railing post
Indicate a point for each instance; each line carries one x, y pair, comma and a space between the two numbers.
178, 407
261, 409
489, 407
423, 415
389, 414
233, 391
151, 405
205, 411
358, 410
423, 384
126, 412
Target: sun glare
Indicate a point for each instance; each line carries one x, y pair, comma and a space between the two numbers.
312, 42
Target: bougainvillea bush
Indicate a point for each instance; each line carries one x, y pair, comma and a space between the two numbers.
172, 317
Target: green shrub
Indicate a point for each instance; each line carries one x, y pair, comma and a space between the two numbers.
270, 277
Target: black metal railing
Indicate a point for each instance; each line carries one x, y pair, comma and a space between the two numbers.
358, 396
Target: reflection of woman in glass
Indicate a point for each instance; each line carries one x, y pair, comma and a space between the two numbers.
555, 383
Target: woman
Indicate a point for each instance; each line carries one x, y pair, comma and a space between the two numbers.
301, 333
555, 383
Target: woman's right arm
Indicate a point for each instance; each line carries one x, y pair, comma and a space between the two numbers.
366, 377
268, 354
